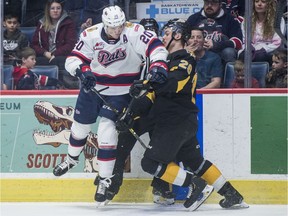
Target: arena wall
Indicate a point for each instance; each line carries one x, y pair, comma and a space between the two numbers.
244, 132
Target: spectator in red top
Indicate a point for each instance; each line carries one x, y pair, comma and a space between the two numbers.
238, 82
25, 79
55, 36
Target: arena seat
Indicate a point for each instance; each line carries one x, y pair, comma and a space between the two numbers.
258, 69
47, 70
29, 32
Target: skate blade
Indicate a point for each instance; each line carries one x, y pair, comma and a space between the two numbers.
241, 205
101, 204
205, 194
165, 202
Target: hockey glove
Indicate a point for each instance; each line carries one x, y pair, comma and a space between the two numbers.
124, 121
88, 79
157, 72
139, 88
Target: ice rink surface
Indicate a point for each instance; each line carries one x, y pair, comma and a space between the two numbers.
125, 209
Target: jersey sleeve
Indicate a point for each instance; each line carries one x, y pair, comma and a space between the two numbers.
82, 52
147, 44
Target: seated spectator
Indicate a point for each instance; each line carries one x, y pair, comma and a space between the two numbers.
264, 38
92, 13
13, 39
277, 77
209, 68
222, 32
25, 79
54, 37
238, 82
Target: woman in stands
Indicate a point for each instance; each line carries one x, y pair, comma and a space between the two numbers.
55, 36
264, 38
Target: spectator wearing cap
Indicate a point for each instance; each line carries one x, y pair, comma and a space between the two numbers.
223, 33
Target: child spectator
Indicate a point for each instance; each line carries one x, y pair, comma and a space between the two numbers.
238, 82
277, 77
25, 79
54, 37
13, 39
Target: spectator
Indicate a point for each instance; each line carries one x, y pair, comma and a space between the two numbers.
92, 12
209, 68
13, 39
25, 79
55, 37
150, 24
264, 38
238, 82
277, 77
222, 32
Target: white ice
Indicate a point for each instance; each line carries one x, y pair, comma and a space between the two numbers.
133, 209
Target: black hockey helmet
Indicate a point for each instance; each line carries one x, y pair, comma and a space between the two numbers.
178, 26
150, 24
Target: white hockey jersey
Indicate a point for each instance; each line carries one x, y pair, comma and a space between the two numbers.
116, 64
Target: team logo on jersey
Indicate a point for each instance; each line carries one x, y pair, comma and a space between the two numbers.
106, 58
136, 28
98, 46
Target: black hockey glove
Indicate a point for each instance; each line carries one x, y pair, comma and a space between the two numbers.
157, 72
88, 79
139, 88
124, 121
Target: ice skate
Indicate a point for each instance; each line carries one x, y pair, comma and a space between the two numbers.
111, 191
198, 192
163, 197
102, 190
233, 199
65, 166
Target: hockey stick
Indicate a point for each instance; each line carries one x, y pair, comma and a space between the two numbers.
131, 130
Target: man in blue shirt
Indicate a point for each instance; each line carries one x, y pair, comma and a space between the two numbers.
209, 67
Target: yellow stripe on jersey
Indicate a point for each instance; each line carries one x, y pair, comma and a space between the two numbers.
151, 96
211, 175
173, 68
181, 84
194, 82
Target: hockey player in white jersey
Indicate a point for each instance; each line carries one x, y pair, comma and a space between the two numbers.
108, 54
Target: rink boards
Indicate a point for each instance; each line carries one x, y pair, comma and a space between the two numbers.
244, 132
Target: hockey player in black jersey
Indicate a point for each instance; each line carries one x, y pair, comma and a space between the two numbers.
194, 161
174, 118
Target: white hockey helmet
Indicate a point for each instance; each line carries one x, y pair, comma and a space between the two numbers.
113, 16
